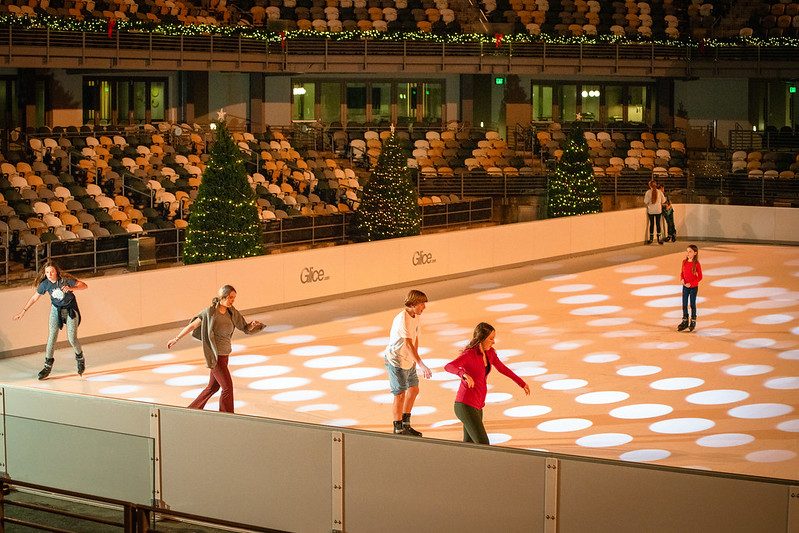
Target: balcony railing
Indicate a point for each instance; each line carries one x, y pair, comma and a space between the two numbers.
129, 50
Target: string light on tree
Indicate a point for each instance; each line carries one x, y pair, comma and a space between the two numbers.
224, 222
573, 190
390, 205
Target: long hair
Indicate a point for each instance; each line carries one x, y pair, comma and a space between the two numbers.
60, 274
695, 262
481, 333
224, 292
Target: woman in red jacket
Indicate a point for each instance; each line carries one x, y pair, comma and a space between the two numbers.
473, 366
690, 276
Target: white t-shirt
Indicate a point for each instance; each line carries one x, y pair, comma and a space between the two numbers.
403, 327
657, 207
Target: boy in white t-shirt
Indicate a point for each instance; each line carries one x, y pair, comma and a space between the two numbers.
402, 356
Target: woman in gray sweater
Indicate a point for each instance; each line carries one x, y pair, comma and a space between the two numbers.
214, 326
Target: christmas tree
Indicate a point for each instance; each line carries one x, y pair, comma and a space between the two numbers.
224, 222
389, 206
572, 190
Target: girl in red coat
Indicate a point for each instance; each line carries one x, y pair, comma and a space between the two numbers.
690, 276
473, 366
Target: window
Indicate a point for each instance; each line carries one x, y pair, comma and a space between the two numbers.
381, 103
356, 103
637, 105
303, 95
432, 102
9, 113
330, 102
568, 103
124, 101
406, 103
614, 102
589, 102
542, 102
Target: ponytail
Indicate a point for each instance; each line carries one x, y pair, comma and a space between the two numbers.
224, 292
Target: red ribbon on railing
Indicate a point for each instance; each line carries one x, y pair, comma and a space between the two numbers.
283, 40
498, 39
112, 22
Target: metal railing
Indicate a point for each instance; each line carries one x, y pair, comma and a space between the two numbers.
95, 253
242, 52
741, 189
135, 517
513, 184
457, 213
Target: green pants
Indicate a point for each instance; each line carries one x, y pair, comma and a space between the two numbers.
473, 428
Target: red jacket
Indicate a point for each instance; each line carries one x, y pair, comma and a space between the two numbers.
471, 362
687, 275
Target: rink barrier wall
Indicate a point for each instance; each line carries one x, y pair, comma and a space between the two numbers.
140, 301
306, 478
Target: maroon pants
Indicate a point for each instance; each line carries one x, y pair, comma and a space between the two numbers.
220, 375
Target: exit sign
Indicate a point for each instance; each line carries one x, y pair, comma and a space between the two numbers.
499, 81
792, 89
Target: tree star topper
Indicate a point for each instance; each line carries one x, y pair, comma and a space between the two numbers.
220, 115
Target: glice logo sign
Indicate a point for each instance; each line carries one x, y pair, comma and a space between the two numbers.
312, 275
422, 258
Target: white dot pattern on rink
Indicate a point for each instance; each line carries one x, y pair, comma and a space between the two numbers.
609, 374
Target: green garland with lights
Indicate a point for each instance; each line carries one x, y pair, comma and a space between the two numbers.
390, 205
573, 190
224, 222
501, 43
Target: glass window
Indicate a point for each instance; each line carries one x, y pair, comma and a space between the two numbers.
139, 101
614, 102
356, 103
90, 100
542, 102
568, 103
381, 103
123, 102
432, 102
157, 100
589, 102
636, 109
330, 102
40, 103
406, 103
304, 98
104, 108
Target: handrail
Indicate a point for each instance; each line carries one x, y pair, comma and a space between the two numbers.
151, 50
136, 516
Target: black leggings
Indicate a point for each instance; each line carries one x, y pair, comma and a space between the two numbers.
654, 221
473, 428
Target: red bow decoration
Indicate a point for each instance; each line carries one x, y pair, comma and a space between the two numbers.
111, 24
283, 40
498, 39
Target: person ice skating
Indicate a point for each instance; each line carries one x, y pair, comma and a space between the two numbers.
690, 276
402, 357
654, 207
668, 215
473, 366
63, 310
216, 324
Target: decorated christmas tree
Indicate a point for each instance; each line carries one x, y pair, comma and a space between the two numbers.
224, 222
389, 206
572, 190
